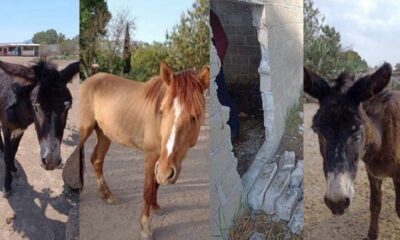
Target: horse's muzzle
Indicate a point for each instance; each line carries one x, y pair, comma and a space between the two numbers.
165, 177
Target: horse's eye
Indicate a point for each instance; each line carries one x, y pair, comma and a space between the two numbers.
193, 119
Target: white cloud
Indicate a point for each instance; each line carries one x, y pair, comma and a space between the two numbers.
371, 27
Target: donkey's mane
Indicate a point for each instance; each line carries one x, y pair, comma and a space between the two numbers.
343, 82
45, 72
185, 87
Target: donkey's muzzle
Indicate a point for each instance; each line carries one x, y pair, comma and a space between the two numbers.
51, 157
337, 207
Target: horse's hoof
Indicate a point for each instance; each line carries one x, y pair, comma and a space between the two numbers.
158, 211
146, 235
111, 200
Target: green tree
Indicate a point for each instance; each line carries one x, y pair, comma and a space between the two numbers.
48, 37
188, 41
146, 60
323, 51
94, 16
127, 51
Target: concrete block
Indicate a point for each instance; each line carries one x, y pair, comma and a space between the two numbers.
297, 175
278, 185
297, 221
286, 203
260, 186
287, 160
257, 236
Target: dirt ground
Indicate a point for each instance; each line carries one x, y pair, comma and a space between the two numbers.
185, 204
245, 148
319, 222
37, 209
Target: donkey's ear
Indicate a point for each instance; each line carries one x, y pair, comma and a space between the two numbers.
204, 77
68, 73
369, 86
315, 85
166, 73
22, 75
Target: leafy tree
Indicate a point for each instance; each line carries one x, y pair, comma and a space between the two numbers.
189, 40
48, 37
112, 43
323, 51
127, 51
146, 60
70, 46
94, 16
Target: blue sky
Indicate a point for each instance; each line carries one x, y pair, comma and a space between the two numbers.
152, 17
21, 19
371, 27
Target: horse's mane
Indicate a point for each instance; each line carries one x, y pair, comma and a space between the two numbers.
185, 86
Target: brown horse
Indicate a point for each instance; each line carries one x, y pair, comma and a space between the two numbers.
162, 117
357, 119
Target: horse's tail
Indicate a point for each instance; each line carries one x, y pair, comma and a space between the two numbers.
81, 165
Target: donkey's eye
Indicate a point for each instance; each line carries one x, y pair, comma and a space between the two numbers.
67, 104
315, 129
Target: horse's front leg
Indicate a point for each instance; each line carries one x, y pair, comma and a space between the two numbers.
396, 183
8, 162
375, 206
149, 195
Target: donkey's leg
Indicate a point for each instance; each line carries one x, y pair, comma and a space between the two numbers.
7, 162
15, 140
149, 194
375, 206
97, 159
396, 183
1, 144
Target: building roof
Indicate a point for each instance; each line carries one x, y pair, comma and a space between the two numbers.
19, 45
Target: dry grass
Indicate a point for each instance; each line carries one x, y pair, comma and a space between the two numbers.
247, 224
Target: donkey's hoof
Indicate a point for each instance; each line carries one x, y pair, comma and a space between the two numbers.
146, 235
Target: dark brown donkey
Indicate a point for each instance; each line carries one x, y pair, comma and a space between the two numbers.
39, 95
357, 119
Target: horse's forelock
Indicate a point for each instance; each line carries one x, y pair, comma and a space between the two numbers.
189, 92
185, 87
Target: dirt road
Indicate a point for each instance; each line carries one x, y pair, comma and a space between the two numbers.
38, 205
319, 222
185, 204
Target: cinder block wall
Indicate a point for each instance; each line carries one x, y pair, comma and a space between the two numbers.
284, 22
243, 55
